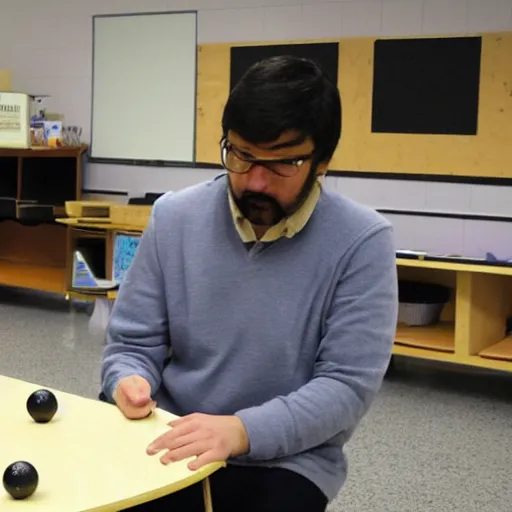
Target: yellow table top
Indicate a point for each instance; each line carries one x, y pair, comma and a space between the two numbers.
89, 457
98, 224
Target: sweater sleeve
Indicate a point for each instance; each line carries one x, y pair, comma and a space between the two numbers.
137, 334
352, 358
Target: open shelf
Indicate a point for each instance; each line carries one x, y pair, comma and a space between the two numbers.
33, 256
424, 353
502, 270
501, 351
27, 275
34, 187
439, 337
473, 322
9, 177
449, 357
36, 181
49, 181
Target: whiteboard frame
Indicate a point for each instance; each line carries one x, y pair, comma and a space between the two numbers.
144, 162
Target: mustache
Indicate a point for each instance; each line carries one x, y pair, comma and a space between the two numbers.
252, 202
258, 197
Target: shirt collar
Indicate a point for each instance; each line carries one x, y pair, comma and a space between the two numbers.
287, 227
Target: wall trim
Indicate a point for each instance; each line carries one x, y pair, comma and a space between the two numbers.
446, 215
104, 192
436, 178
154, 163
390, 211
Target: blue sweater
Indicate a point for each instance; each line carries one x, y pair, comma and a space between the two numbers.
293, 336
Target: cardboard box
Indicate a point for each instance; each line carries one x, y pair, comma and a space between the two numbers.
14, 120
5, 80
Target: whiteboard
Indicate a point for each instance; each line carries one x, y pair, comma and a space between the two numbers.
144, 87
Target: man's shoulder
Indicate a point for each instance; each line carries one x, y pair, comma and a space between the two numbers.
346, 226
189, 199
342, 213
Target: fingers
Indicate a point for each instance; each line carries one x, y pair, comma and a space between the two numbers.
184, 419
173, 439
136, 413
172, 444
185, 452
133, 397
137, 393
203, 459
200, 437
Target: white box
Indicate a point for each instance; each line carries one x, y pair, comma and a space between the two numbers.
14, 120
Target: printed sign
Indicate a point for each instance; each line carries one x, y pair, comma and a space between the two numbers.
14, 120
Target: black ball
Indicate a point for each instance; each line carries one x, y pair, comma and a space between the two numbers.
42, 405
20, 479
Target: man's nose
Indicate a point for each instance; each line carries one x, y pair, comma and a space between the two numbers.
258, 178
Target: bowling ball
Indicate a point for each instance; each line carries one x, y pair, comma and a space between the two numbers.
42, 405
20, 479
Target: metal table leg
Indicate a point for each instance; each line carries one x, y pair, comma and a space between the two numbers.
207, 495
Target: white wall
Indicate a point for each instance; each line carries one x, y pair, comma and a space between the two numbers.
48, 47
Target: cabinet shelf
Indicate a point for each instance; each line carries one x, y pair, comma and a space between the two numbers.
452, 358
108, 294
502, 270
27, 275
472, 323
424, 353
34, 187
501, 351
43, 152
439, 337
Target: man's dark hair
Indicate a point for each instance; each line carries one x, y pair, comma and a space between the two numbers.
281, 94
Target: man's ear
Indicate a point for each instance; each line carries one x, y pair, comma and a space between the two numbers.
321, 169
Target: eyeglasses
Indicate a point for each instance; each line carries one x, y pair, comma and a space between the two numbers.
237, 162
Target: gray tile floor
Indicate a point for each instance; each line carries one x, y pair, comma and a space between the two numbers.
436, 439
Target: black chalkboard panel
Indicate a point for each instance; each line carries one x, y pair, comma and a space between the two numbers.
426, 86
324, 54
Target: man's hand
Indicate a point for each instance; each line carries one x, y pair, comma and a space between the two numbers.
133, 397
209, 438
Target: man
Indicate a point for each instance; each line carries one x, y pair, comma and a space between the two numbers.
276, 299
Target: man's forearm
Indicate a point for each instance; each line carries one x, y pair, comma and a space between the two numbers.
137, 334
353, 356
311, 416
121, 361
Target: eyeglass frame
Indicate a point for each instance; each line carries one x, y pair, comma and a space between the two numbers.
297, 161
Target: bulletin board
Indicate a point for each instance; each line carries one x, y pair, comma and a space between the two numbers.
485, 153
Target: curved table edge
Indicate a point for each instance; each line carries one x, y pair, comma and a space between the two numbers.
196, 477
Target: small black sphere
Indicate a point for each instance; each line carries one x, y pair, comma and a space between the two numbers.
42, 405
20, 479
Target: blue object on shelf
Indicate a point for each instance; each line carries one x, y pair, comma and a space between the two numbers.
125, 247
82, 274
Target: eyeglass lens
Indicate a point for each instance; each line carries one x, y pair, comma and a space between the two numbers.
235, 163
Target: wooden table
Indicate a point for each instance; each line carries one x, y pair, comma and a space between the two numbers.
89, 457
103, 224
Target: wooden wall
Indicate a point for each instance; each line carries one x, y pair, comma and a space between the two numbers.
488, 154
